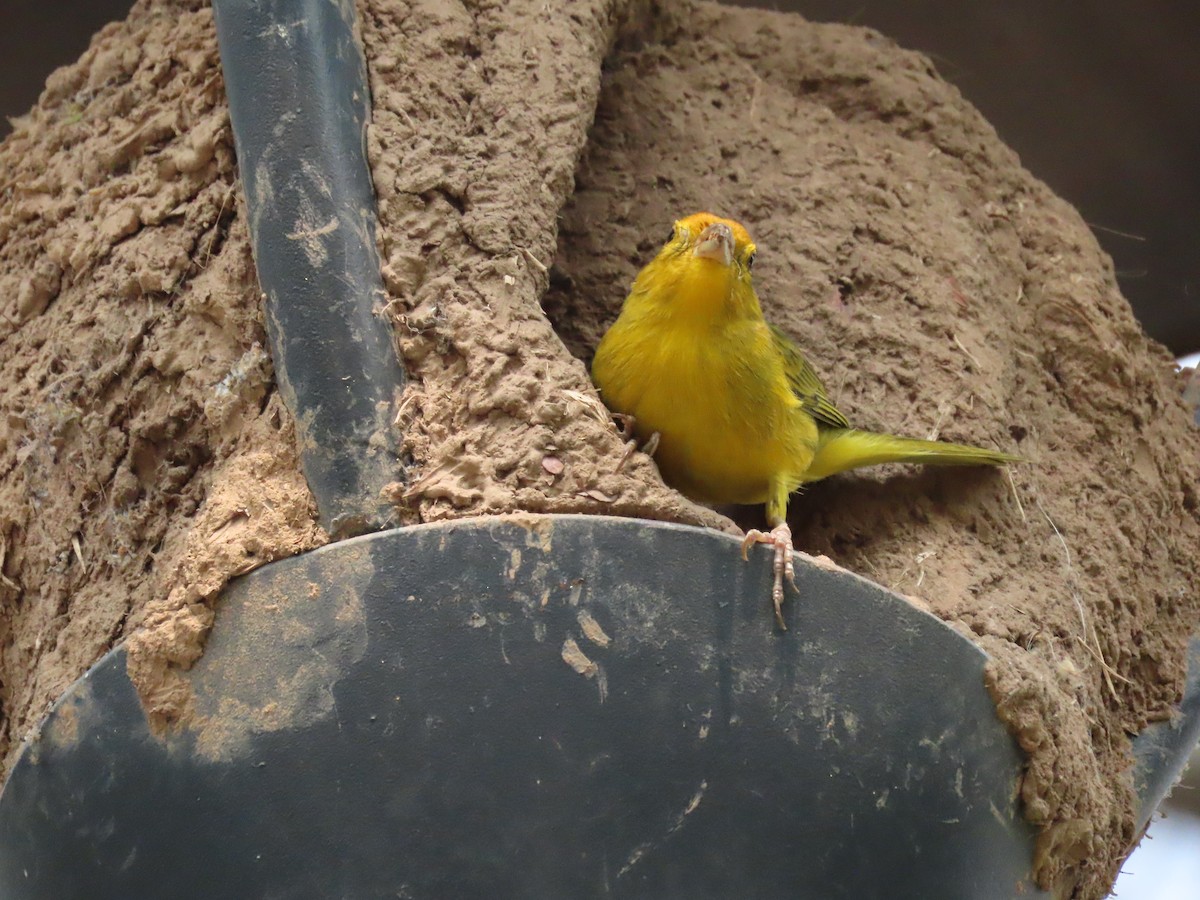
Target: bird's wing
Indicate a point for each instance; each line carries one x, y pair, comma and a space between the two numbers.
805, 384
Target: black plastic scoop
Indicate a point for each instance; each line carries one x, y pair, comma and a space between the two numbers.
565, 707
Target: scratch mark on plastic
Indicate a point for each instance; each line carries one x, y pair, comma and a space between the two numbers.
640, 851
691, 807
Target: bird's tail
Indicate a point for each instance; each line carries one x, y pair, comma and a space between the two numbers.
846, 448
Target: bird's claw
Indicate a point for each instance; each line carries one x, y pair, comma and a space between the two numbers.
627, 423
783, 566
631, 445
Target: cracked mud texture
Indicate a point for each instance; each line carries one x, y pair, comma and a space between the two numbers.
144, 456
940, 289
480, 113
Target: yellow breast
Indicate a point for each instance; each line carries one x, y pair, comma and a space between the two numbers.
728, 424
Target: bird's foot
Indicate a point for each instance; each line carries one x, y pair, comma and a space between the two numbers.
627, 423
631, 445
780, 538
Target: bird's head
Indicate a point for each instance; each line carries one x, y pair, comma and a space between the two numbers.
712, 242
702, 271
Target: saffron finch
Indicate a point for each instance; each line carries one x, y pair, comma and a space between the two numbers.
736, 411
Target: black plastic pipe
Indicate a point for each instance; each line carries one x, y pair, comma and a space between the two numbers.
299, 105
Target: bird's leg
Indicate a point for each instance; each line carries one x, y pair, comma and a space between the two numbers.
627, 424
780, 538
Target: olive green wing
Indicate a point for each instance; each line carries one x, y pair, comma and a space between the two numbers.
805, 384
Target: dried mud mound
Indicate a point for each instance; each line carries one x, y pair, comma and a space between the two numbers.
941, 290
480, 113
145, 457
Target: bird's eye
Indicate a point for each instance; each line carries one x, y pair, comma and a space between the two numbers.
750, 261
671, 236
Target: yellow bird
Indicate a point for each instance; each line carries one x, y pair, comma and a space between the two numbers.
735, 410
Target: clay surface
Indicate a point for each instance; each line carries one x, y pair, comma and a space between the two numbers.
144, 457
942, 291
480, 114
939, 288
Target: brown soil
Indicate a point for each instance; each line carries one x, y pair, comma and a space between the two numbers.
942, 290
468, 202
145, 457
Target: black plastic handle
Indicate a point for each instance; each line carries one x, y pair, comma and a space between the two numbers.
299, 105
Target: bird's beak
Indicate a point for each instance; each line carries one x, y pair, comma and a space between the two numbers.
716, 243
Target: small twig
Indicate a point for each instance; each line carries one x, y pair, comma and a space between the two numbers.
1080, 315
943, 410
919, 559
212, 241
970, 355
1108, 670
1088, 629
541, 266
591, 404
1016, 496
417, 488
403, 408
1117, 232
754, 96
78, 551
